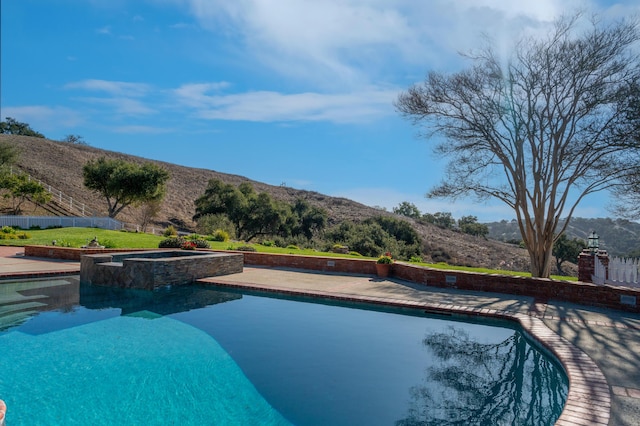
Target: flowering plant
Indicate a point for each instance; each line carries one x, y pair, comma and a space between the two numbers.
385, 258
188, 245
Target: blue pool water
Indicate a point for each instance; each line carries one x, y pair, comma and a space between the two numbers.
201, 356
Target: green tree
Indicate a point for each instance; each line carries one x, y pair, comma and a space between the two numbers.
13, 127
441, 219
263, 216
222, 198
565, 249
408, 209
469, 225
553, 118
8, 155
123, 183
254, 214
210, 223
307, 219
20, 188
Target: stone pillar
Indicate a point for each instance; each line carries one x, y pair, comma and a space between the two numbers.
586, 265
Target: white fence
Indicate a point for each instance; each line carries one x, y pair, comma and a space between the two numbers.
621, 272
26, 222
61, 198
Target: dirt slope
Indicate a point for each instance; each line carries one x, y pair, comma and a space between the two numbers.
60, 165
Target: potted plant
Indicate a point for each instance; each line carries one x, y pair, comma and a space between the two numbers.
383, 265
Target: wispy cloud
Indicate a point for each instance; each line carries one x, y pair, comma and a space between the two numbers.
351, 42
106, 30
116, 88
137, 129
121, 105
210, 101
44, 117
269, 106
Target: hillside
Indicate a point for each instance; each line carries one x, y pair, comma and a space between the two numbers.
619, 237
60, 165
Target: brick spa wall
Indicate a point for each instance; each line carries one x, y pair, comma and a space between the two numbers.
150, 270
621, 298
70, 253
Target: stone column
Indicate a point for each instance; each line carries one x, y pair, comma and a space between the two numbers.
586, 265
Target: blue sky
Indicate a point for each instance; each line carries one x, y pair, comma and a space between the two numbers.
293, 92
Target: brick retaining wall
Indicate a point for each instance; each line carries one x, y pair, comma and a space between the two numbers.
621, 298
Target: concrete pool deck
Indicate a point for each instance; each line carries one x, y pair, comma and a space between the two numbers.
610, 339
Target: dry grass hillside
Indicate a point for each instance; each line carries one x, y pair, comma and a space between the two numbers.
60, 165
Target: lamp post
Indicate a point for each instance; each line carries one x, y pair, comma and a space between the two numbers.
593, 242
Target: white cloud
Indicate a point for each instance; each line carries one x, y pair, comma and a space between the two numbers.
267, 106
115, 88
120, 105
104, 30
345, 43
44, 118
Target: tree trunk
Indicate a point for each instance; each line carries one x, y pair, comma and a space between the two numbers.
540, 262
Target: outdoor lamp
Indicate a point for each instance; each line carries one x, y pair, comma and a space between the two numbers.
593, 243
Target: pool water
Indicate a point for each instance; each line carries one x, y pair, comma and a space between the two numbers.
201, 356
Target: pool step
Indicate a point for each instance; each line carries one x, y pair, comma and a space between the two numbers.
17, 307
11, 299
14, 319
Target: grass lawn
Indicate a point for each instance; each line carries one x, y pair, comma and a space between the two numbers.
78, 237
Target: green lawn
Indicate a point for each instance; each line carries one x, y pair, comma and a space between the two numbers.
78, 237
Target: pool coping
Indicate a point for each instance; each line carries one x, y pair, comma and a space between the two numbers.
588, 399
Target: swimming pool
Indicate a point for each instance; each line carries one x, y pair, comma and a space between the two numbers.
198, 355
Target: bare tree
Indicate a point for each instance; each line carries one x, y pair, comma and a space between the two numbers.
539, 130
149, 210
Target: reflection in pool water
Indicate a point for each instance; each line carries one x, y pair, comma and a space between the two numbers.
196, 355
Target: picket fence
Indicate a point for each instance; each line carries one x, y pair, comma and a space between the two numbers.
621, 272
27, 222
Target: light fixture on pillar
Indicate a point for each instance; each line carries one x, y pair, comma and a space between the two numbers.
593, 242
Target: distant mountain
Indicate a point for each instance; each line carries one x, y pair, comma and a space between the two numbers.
619, 237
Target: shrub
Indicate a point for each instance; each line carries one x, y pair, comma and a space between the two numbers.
415, 259
268, 243
107, 244
440, 256
35, 227
201, 243
170, 232
245, 248
23, 235
293, 247
220, 235
354, 253
173, 242
8, 230
385, 259
210, 223
279, 242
